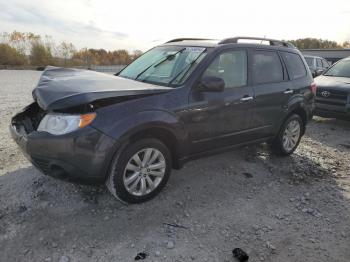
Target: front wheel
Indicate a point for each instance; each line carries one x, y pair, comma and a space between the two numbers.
140, 171
289, 135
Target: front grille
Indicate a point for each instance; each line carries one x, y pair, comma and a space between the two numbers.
42, 164
331, 97
330, 102
28, 119
336, 95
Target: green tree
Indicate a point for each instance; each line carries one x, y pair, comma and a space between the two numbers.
21, 41
43, 50
121, 57
66, 51
84, 57
10, 56
40, 55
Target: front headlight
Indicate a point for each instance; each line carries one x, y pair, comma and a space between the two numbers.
59, 124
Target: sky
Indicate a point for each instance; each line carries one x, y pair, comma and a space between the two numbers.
131, 24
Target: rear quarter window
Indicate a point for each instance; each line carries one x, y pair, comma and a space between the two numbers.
295, 65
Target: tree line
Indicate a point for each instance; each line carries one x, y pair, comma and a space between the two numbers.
314, 43
28, 49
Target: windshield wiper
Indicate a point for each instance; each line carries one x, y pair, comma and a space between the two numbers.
183, 70
337, 75
168, 57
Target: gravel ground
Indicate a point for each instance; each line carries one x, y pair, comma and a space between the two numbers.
276, 209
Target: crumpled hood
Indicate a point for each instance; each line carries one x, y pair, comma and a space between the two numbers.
60, 88
340, 83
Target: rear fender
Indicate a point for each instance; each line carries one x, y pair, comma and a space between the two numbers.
296, 102
298, 106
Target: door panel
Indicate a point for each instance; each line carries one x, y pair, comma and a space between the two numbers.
218, 119
270, 105
272, 91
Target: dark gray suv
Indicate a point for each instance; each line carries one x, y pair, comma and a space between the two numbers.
179, 101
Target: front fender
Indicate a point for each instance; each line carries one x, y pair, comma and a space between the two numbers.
126, 127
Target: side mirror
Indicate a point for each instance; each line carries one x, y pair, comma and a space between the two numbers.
212, 84
319, 72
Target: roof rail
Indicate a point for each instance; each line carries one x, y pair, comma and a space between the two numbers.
271, 41
186, 39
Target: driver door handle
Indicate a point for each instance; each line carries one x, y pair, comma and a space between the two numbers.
246, 98
288, 91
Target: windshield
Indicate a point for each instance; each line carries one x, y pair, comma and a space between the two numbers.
309, 61
340, 69
165, 65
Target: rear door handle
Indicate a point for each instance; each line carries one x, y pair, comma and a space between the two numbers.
246, 98
288, 91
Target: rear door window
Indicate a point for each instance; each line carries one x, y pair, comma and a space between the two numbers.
295, 65
267, 67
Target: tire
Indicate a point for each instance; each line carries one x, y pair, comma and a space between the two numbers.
134, 181
280, 146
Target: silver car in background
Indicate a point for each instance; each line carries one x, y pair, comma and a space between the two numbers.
317, 64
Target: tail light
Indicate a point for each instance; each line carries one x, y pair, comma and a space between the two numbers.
313, 88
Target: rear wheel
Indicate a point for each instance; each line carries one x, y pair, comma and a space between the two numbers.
140, 171
289, 135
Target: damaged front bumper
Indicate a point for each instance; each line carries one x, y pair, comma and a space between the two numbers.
82, 156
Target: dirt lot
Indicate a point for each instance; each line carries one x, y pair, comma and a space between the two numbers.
276, 209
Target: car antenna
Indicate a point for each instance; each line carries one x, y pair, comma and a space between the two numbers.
262, 40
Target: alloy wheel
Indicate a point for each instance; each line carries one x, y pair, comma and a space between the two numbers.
291, 135
144, 172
